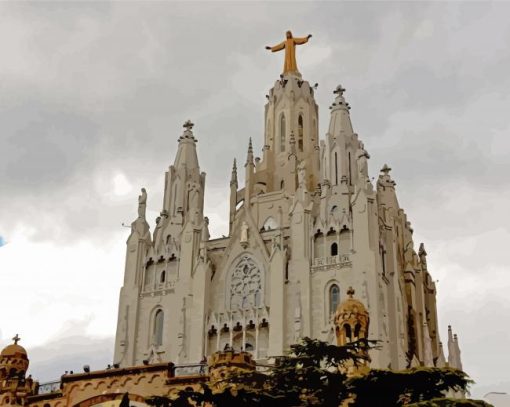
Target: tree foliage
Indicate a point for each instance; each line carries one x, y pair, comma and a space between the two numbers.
398, 388
313, 374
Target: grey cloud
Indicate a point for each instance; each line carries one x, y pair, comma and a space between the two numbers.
49, 362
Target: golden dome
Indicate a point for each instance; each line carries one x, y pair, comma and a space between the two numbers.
351, 305
14, 350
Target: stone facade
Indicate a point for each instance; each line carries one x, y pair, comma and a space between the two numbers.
307, 224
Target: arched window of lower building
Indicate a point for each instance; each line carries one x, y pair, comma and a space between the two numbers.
162, 277
334, 249
348, 334
334, 298
158, 328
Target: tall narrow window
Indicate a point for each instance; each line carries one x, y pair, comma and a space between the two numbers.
334, 298
162, 277
300, 133
336, 168
350, 172
383, 259
334, 249
158, 328
282, 133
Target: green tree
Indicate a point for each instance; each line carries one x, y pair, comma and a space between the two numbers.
397, 388
313, 375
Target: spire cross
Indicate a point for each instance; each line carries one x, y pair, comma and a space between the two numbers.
350, 292
385, 169
339, 90
188, 125
16, 339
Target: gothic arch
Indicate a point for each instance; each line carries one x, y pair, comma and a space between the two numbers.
283, 132
300, 132
157, 327
270, 223
329, 305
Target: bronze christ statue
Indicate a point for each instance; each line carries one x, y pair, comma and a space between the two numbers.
290, 65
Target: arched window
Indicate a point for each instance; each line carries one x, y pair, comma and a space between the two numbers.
282, 133
357, 330
162, 277
350, 169
300, 133
348, 334
336, 168
334, 249
334, 298
158, 328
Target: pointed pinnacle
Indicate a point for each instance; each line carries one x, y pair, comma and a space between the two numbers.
249, 157
233, 178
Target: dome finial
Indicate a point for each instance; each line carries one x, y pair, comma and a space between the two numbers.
351, 292
16, 339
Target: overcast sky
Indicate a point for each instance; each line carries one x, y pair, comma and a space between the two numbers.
93, 97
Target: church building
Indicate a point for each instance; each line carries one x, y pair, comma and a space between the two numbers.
306, 225
314, 249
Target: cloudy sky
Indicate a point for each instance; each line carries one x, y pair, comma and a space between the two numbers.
93, 96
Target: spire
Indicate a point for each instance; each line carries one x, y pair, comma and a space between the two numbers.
186, 152
441, 361
340, 119
457, 352
452, 357
184, 182
249, 156
233, 177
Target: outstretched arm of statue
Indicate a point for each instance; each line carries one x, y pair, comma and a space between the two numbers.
278, 47
302, 40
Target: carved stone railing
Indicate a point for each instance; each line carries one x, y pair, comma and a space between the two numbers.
190, 369
49, 387
150, 289
326, 263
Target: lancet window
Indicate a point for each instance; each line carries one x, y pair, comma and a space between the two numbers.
300, 133
157, 332
282, 133
246, 285
334, 298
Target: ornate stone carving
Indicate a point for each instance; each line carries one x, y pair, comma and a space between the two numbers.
244, 234
142, 204
246, 285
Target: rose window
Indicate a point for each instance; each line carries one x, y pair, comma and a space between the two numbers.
246, 285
